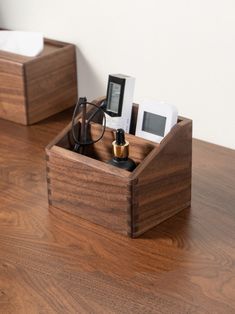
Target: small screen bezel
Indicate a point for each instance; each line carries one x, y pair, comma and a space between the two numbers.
163, 118
159, 108
121, 82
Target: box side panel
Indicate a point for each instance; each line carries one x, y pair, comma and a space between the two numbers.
89, 193
12, 92
51, 83
163, 188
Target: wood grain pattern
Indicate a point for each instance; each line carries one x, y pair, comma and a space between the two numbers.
100, 197
12, 92
33, 88
162, 183
52, 263
157, 189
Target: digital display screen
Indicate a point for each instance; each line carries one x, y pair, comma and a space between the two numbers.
153, 123
114, 97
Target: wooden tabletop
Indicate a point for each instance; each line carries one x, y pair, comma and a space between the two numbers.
51, 262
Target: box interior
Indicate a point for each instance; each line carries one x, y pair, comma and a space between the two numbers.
139, 148
102, 150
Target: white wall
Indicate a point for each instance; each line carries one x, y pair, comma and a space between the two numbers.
181, 51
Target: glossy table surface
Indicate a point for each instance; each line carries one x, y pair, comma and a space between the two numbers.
51, 262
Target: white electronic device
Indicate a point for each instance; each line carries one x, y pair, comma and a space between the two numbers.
155, 120
119, 101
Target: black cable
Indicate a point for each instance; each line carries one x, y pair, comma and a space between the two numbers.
78, 144
73, 119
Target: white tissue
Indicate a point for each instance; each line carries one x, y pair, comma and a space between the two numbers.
27, 44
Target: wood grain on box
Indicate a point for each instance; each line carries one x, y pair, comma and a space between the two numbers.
59, 263
126, 202
33, 88
163, 181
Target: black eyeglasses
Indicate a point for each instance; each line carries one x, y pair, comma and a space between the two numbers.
81, 139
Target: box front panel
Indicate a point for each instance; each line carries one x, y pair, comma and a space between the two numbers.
89, 193
12, 92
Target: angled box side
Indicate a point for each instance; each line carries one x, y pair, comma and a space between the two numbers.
163, 181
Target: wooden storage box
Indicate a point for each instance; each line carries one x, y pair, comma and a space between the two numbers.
126, 202
34, 88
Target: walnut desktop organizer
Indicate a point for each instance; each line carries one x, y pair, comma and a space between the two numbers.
126, 202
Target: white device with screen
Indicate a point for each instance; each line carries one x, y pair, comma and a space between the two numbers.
119, 100
155, 120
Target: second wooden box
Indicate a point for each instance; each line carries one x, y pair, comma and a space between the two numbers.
34, 88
